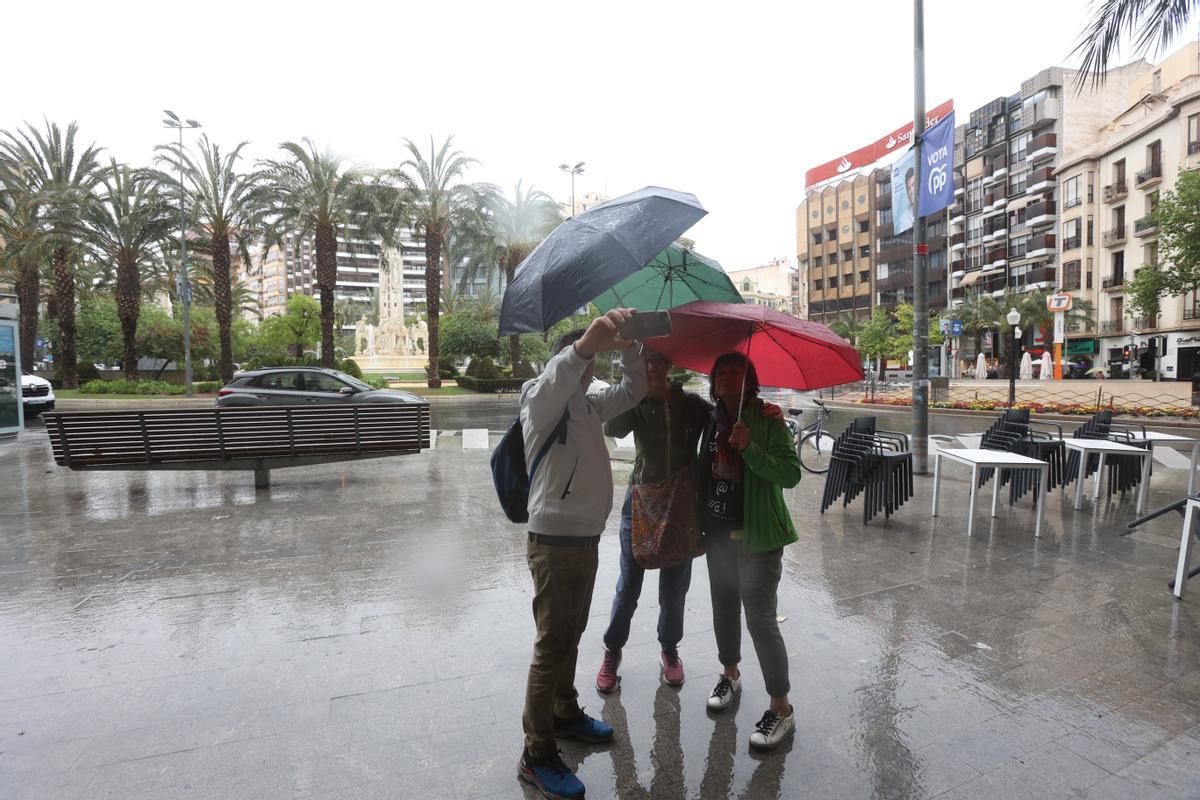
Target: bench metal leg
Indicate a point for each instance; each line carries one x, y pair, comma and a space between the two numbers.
971, 501
262, 476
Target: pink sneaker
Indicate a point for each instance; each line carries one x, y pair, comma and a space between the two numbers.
672, 667
606, 678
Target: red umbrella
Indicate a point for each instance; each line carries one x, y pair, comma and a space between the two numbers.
787, 352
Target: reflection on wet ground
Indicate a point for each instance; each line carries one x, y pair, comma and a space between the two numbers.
363, 631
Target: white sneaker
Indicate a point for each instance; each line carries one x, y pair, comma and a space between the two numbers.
722, 696
772, 730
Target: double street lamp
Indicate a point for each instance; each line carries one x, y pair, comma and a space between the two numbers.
1014, 319
575, 170
183, 286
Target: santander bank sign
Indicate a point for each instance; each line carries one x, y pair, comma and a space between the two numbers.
901, 137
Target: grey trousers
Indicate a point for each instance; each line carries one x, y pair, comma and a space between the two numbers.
741, 579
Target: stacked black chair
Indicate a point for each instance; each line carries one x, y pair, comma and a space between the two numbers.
1014, 432
874, 463
1124, 472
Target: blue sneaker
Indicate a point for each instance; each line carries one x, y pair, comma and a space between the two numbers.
550, 776
583, 728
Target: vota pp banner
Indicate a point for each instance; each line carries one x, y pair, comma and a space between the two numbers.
871, 153
937, 167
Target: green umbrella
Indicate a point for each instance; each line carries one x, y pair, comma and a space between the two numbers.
674, 277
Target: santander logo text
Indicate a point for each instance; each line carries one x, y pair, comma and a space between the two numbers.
844, 165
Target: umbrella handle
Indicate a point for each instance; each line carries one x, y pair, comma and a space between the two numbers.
742, 395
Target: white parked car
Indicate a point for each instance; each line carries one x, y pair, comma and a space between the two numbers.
36, 395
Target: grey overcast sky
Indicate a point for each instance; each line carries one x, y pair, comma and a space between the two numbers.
731, 101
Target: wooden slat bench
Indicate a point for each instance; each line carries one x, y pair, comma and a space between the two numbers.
261, 438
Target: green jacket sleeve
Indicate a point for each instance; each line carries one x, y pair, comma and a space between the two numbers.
771, 454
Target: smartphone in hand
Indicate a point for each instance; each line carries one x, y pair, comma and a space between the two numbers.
646, 325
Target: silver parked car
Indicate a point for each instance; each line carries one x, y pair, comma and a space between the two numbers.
282, 386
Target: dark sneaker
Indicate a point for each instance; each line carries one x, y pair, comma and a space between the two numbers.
726, 690
550, 776
772, 730
583, 728
606, 678
672, 667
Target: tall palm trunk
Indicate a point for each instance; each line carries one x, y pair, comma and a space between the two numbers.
129, 303
64, 302
28, 296
223, 302
326, 281
511, 259
433, 286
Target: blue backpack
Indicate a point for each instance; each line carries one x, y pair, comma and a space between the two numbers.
508, 467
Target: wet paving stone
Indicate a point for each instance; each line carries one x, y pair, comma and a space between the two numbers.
363, 631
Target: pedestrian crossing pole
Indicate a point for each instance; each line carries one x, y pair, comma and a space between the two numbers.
920, 348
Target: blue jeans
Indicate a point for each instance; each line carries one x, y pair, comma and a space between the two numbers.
673, 583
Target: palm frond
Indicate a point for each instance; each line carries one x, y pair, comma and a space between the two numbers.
1151, 24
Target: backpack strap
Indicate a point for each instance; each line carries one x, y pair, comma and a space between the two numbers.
559, 433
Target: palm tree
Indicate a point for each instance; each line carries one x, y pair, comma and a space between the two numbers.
441, 202
227, 208
517, 226
59, 182
848, 326
1150, 23
979, 312
20, 261
314, 193
125, 229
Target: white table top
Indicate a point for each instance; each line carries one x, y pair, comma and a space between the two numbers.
1097, 445
1165, 438
988, 458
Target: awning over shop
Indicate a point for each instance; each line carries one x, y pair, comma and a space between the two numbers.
969, 278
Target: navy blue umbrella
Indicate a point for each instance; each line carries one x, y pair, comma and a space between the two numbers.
592, 252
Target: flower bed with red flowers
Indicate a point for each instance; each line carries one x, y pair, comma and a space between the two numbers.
1079, 409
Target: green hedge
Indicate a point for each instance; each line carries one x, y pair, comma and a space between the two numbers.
207, 387
490, 385
375, 381
130, 387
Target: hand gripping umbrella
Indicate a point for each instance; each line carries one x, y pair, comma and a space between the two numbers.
592, 252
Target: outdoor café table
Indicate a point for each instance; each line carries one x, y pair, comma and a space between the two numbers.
1185, 547
1103, 447
978, 459
1176, 442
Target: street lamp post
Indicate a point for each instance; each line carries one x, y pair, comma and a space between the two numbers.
575, 170
183, 285
1014, 319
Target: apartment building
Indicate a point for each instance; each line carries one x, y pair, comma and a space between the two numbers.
1109, 189
265, 279
835, 229
1003, 236
359, 260
769, 285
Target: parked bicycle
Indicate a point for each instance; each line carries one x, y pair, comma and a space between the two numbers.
814, 443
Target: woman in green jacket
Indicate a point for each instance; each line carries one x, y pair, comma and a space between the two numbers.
746, 461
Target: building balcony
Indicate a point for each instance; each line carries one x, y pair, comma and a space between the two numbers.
1040, 180
1115, 281
1042, 146
1145, 323
958, 241
1112, 326
1040, 277
1072, 242
1114, 237
1191, 313
1041, 245
1072, 203
1193, 148
1150, 176
997, 257
1146, 226
1040, 114
1115, 191
883, 198
1042, 212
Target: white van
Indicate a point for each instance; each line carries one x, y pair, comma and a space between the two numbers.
36, 395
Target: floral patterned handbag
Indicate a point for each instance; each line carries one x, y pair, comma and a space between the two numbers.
665, 529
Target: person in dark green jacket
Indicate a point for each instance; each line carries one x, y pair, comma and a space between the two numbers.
746, 461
